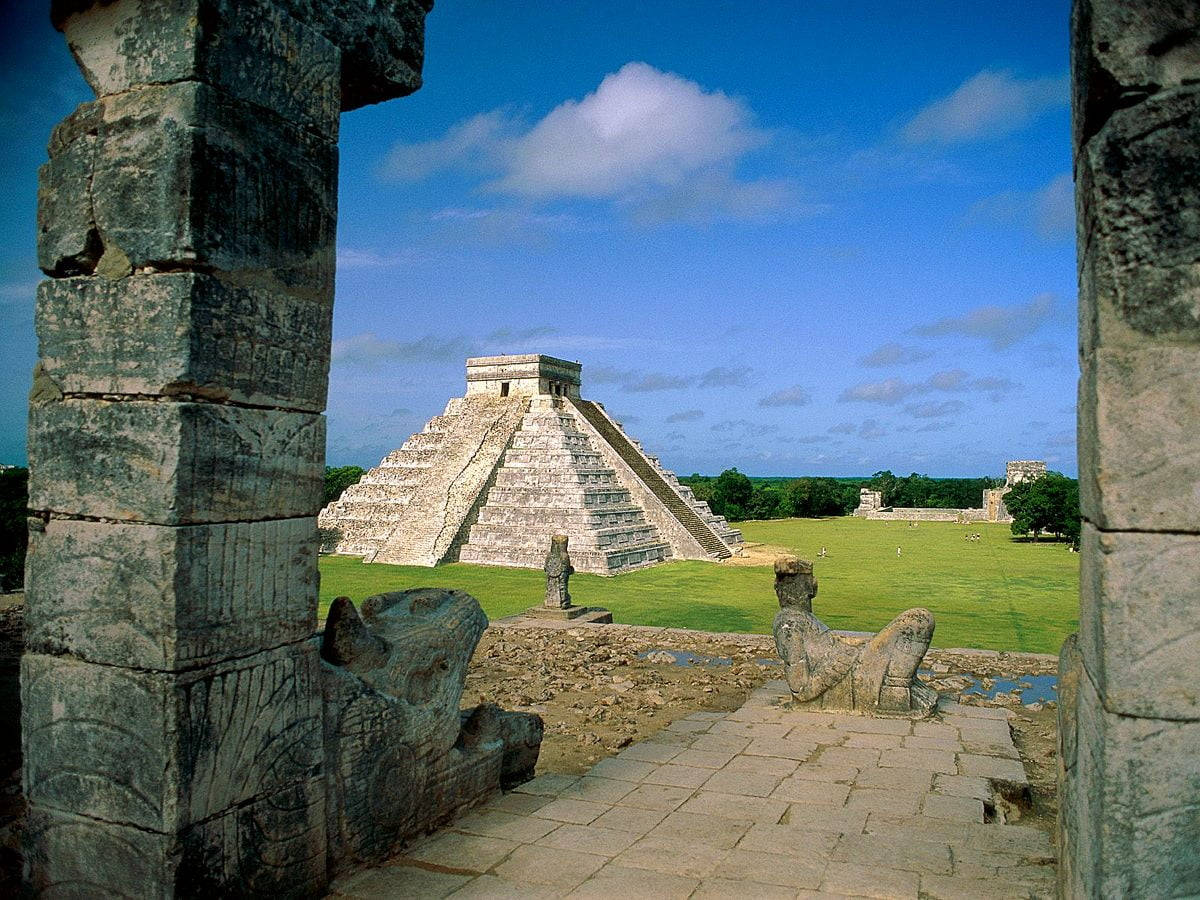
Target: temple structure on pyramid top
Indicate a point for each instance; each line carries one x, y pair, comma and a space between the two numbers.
521, 457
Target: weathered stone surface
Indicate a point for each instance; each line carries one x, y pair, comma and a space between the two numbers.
185, 334
1127, 481
158, 597
1124, 52
399, 755
273, 845
828, 672
180, 174
380, 43
1138, 628
1140, 262
247, 48
266, 846
192, 207
174, 463
1134, 814
179, 748
558, 571
73, 856
1070, 839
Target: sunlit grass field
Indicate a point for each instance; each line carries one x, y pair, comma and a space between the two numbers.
995, 593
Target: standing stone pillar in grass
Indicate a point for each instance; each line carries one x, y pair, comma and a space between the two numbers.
1129, 725
557, 603
558, 572
828, 671
171, 691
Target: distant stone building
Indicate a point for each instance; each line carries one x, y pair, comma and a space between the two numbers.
870, 503
518, 459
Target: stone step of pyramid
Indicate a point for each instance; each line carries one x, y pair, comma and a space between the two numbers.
604, 562
504, 534
527, 517
564, 456
530, 476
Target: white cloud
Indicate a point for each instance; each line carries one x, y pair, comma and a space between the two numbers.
18, 293
1049, 211
892, 391
1001, 326
636, 381
686, 415
1055, 206
987, 105
659, 145
724, 376
894, 355
793, 396
369, 351
887, 392
639, 125
935, 410
471, 141
354, 258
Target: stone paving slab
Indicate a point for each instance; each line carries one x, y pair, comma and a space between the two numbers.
766, 801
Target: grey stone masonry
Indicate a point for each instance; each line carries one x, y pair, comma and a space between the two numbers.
798, 803
1129, 716
171, 693
512, 463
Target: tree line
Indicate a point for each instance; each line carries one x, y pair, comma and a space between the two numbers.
738, 497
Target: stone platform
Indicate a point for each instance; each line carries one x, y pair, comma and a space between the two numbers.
569, 616
760, 802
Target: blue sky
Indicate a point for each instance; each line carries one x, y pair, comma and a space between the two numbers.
795, 238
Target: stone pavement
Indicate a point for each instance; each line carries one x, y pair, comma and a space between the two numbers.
760, 802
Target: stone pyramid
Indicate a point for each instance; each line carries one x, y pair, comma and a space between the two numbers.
519, 458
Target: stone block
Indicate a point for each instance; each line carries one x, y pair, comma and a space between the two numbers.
160, 597
1136, 810
261, 54
1138, 628
588, 839
1123, 51
178, 748
470, 852
185, 334
272, 845
621, 881
72, 856
1126, 481
174, 463
181, 175
1140, 184
548, 865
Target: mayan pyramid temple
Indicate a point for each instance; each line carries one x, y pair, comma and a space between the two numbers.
518, 459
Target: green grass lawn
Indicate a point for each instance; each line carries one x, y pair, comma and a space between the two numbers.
996, 593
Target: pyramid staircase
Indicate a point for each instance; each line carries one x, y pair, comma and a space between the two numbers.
702, 526
410, 507
552, 479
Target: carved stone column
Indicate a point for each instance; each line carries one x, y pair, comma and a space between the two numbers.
1129, 718
172, 705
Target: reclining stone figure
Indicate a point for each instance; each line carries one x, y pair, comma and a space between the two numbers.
401, 757
827, 671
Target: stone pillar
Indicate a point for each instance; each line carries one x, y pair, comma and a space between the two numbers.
1130, 718
171, 699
